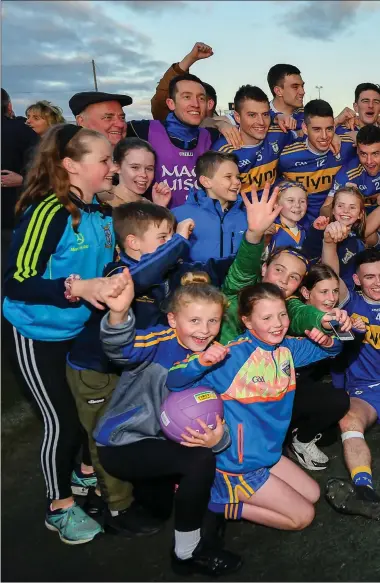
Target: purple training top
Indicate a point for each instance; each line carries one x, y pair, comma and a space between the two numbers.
175, 166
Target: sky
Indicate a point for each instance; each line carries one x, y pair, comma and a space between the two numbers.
47, 47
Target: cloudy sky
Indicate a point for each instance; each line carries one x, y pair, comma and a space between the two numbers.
47, 46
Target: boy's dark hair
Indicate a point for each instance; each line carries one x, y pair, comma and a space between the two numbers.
368, 135
251, 294
249, 92
277, 74
135, 218
317, 108
5, 101
210, 93
365, 87
209, 162
184, 77
369, 255
127, 144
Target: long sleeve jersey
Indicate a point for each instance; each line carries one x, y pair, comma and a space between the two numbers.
45, 250
256, 382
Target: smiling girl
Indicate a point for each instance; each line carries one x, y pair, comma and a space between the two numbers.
292, 197
59, 248
255, 375
135, 162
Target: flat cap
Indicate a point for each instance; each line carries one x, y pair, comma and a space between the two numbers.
80, 101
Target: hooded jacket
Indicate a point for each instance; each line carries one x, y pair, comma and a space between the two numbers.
217, 233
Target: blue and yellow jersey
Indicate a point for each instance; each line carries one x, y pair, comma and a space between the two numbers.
258, 164
45, 250
256, 383
298, 114
286, 237
355, 173
364, 368
316, 172
341, 129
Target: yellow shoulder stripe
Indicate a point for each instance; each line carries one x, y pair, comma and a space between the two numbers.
156, 341
152, 334
29, 252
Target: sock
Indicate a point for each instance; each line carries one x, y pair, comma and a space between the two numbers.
186, 542
362, 476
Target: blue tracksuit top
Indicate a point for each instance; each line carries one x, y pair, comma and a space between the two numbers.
217, 233
45, 250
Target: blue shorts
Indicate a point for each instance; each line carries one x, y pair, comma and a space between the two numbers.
368, 393
226, 487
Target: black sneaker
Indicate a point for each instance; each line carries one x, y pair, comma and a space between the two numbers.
211, 562
133, 521
95, 506
347, 498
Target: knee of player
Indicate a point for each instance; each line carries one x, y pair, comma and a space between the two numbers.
305, 518
351, 422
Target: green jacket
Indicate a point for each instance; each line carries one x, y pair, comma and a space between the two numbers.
246, 270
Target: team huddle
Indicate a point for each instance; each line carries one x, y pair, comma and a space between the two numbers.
235, 253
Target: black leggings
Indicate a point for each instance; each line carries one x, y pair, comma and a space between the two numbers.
154, 466
41, 366
317, 407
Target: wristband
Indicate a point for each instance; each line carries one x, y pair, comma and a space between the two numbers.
68, 283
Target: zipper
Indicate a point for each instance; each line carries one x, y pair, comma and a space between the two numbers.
232, 242
240, 443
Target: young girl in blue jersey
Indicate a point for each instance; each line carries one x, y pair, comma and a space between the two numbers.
349, 211
135, 161
131, 445
292, 197
255, 375
60, 246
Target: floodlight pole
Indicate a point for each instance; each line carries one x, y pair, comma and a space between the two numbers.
94, 73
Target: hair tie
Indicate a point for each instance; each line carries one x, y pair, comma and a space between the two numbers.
64, 136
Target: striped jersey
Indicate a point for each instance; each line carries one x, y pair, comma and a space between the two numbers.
298, 114
355, 173
258, 164
45, 250
316, 171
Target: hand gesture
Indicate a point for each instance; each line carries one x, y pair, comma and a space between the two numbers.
285, 122
210, 438
214, 354
231, 133
340, 316
346, 117
358, 324
335, 232
9, 178
335, 145
261, 214
185, 228
96, 290
200, 51
161, 194
321, 223
120, 304
319, 337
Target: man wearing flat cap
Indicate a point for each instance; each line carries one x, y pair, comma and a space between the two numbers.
102, 112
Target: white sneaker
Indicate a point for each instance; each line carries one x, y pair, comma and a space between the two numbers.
308, 454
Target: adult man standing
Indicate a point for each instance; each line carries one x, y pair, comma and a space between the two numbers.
102, 112
178, 141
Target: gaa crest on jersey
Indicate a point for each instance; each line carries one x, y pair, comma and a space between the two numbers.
349, 255
275, 147
108, 236
338, 157
285, 367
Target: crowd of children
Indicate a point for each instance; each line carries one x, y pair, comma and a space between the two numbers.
113, 300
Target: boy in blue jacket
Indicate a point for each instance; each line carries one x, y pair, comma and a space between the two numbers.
156, 259
217, 208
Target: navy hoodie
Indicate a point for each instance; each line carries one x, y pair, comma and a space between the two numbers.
217, 233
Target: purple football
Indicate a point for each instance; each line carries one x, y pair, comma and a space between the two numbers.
182, 409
